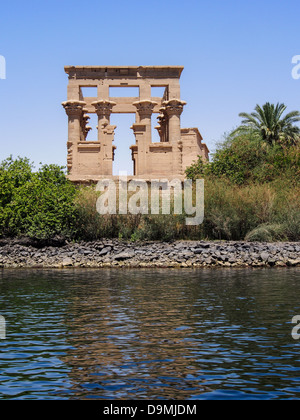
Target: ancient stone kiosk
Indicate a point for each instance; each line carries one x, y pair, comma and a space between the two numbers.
93, 160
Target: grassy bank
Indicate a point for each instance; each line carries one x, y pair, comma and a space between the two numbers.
258, 212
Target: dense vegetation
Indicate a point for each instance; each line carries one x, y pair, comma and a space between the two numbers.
253, 182
252, 192
35, 204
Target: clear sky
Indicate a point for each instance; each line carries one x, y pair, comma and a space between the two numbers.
235, 54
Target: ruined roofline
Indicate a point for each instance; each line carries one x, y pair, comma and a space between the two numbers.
106, 71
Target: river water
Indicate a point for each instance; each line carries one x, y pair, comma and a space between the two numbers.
149, 334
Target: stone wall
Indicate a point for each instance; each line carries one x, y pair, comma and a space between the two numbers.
115, 253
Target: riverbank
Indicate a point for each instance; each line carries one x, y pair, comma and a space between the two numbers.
117, 253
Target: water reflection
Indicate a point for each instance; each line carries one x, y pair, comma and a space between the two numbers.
134, 334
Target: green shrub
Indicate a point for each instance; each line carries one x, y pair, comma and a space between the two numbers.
237, 158
196, 170
246, 159
35, 204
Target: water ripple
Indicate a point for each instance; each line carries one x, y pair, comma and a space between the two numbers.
149, 334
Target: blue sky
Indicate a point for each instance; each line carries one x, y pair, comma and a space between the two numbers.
235, 54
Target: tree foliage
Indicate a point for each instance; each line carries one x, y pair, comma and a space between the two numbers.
269, 124
36, 204
266, 146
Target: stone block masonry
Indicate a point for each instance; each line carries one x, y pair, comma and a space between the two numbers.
90, 161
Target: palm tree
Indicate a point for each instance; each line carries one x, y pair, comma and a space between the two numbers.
268, 123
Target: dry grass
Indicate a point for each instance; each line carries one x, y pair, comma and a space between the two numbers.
231, 213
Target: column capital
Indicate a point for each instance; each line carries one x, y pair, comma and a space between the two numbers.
173, 107
86, 117
138, 128
109, 129
74, 108
87, 128
145, 107
103, 107
161, 117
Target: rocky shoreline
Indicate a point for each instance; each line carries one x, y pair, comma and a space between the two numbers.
117, 253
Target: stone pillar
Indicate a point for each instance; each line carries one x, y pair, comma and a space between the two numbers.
159, 129
144, 110
142, 131
107, 149
74, 110
162, 127
84, 125
140, 150
87, 129
134, 157
178, 158
173, 109
103, 110
105, 134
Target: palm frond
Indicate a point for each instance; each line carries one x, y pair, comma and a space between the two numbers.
268, 121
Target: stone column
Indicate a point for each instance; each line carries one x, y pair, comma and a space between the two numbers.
139, 150
103, 110
105, 134
178, 158
107, 149
159, 129
162, 127
144, 110
173, 109
142, 131
74, 110
85, 128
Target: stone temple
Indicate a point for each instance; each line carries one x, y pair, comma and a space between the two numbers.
90, 161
